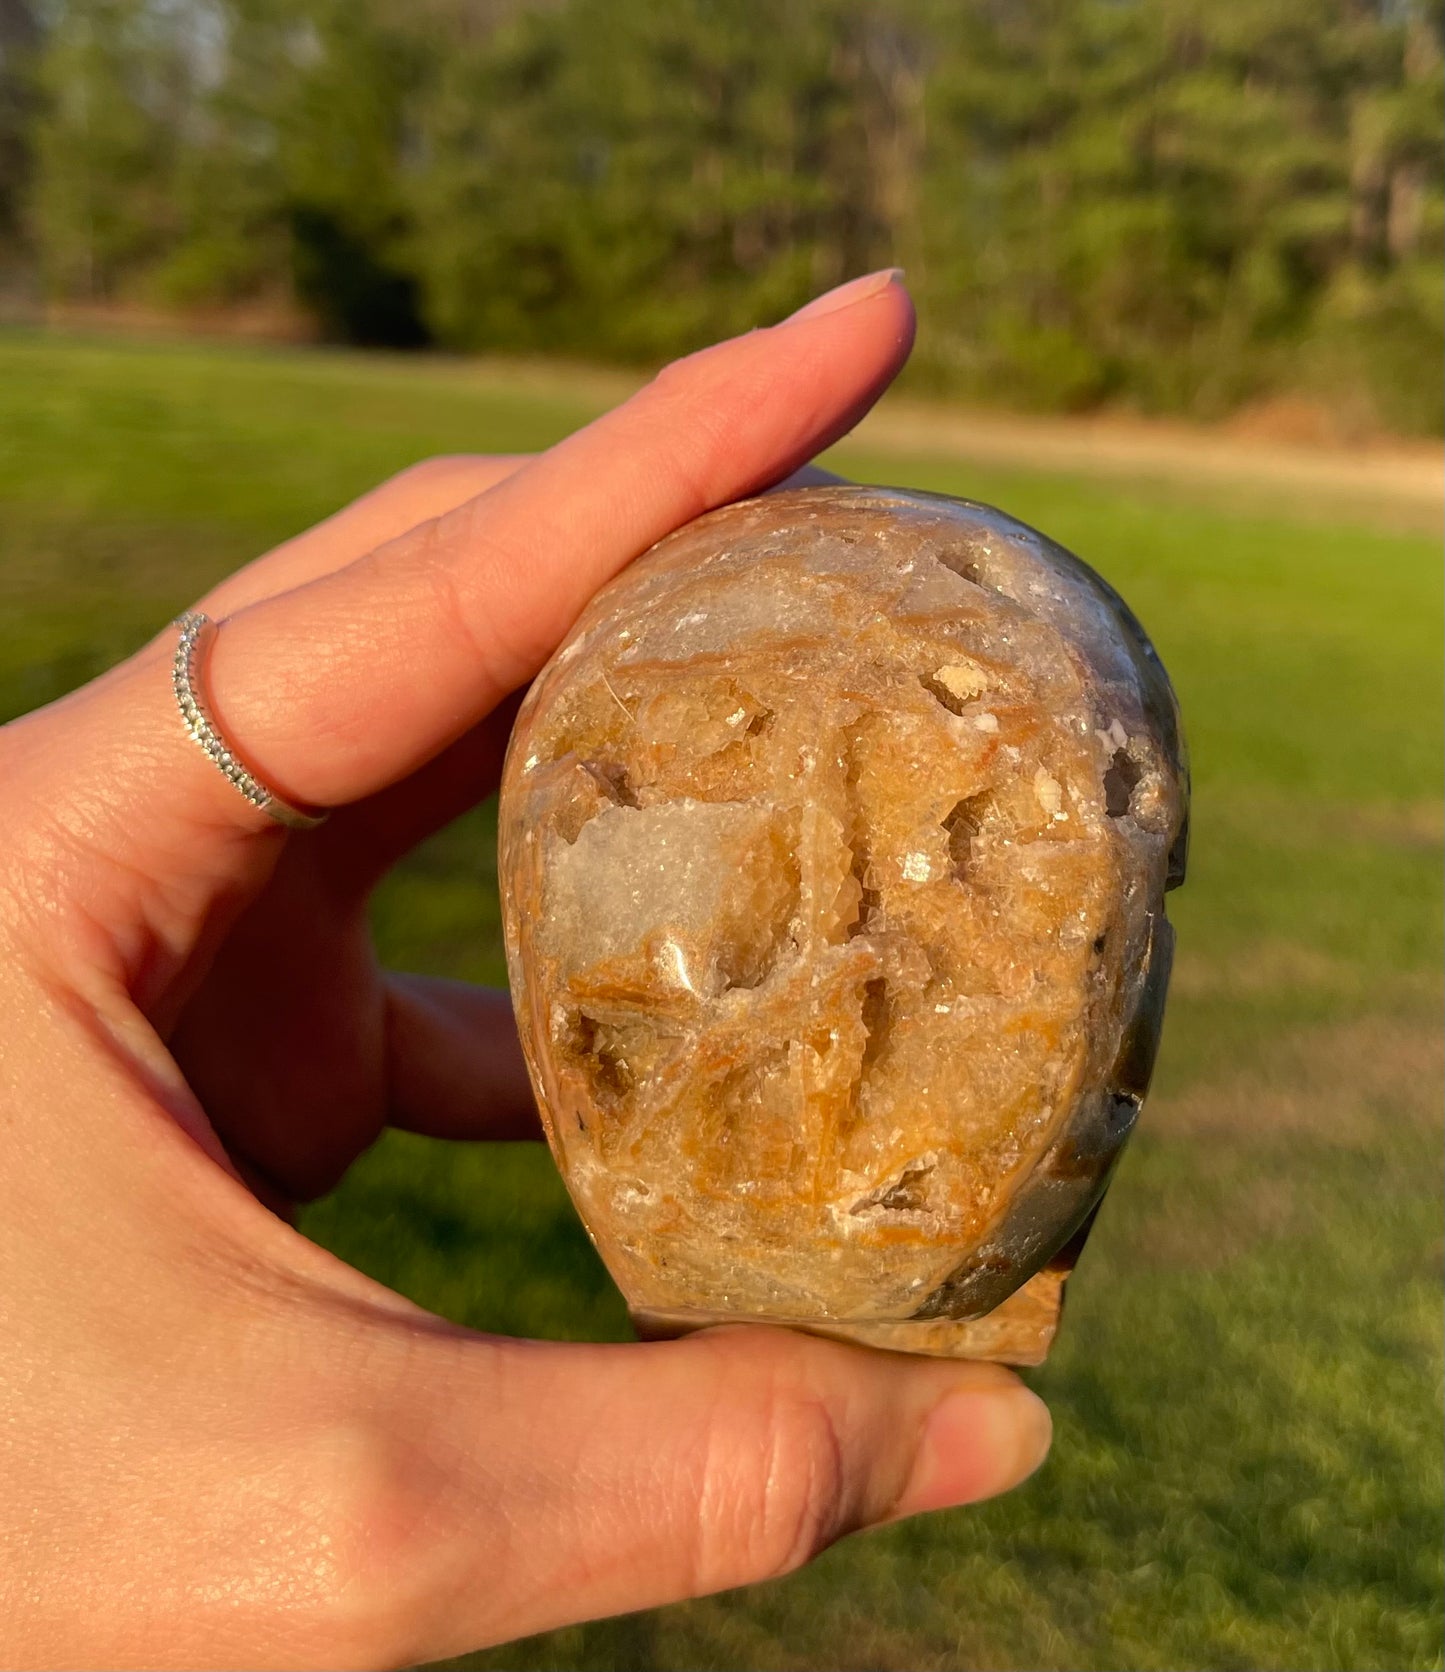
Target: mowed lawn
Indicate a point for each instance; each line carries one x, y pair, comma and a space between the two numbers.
1247, 1471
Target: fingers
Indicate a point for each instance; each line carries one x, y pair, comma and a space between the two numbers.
454, 1063
354, 680
320, 1081
413, 496
584, 1481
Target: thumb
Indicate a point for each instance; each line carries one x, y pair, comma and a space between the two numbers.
594, 1480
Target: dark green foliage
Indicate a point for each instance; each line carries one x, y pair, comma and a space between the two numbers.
1176, 206
353, 295
19, 38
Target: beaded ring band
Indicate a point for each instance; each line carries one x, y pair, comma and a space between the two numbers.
188, 681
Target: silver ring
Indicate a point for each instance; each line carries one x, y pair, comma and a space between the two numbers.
187, 680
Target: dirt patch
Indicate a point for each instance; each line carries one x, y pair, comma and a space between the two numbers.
1270, 966
1348, 1085
1294, 421
1399, 482
1417, 825
1234, 1221
271, 320
1357, 1088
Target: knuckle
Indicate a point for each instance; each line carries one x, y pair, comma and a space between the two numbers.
776, 1490
699, 431
480, 610
801, 1512
678, 379
365, 1514
449, 609
421, 596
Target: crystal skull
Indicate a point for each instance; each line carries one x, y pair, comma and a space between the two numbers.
834, 843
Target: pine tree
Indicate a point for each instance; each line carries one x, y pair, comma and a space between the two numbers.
1146, 201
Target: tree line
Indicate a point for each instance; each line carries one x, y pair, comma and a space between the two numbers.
1176, 206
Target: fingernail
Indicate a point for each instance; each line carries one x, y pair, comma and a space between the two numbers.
845, 295
976, 1443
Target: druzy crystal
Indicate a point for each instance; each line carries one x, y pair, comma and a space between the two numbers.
834, 844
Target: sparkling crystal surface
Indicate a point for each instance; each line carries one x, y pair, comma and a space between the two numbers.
834, 844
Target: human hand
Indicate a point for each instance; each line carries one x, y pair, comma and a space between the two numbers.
219, 1445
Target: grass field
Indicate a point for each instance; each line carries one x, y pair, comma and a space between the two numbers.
1248, 1465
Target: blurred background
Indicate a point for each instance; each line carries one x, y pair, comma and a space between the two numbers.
1179, 275
1183, 208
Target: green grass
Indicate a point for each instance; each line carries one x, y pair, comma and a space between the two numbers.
1248, 1466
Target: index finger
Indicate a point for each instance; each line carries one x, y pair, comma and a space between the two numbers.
334, 690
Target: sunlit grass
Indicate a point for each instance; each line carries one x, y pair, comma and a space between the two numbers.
1248, 1465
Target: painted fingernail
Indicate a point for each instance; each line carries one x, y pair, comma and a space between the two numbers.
845, 295
976, 1443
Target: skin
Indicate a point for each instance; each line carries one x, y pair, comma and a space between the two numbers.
219, 1445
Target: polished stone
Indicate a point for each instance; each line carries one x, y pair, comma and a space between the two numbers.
834, 844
